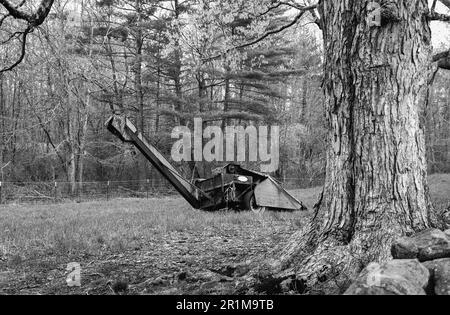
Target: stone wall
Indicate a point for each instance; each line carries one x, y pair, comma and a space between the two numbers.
421, 266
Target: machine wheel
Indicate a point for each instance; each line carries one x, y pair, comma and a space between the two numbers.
250, 204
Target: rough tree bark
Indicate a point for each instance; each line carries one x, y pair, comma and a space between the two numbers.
375, 79
2, 121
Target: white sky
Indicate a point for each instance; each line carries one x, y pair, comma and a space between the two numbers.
441, 30
441, 35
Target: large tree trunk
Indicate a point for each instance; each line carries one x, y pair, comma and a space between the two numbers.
376, 182
375, 82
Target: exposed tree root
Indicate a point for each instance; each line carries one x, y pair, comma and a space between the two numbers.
327, 267
315, 262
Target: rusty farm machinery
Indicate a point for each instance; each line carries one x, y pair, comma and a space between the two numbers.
232, 187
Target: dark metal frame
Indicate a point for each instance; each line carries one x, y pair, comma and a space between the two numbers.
208, 194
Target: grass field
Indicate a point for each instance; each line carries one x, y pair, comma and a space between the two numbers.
156, 246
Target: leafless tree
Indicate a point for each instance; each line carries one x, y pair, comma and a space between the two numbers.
32, 20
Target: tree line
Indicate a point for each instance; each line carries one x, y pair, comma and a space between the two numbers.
362, 105
163, 63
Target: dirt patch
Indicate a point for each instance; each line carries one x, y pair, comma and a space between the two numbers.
190, 257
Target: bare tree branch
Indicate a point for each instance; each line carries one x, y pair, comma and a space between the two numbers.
15, 12
279, 30
22, 52
439, 17
33, 20
443, 60
303, 10
4, 17
11, 37
433, 7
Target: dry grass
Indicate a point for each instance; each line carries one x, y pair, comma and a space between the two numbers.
91, 227
75, 228
166, 234
440, 189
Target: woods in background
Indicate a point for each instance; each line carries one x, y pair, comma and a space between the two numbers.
164, 63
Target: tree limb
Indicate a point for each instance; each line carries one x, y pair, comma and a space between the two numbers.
33, 20
22, 52
3, 18
433, 16
433, 6
15, 12
443, 60
279, 30
303, 10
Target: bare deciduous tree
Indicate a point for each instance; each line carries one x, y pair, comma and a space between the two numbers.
32, 19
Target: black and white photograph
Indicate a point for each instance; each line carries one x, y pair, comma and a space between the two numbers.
224, 155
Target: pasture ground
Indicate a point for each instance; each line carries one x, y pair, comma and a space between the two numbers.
157, 246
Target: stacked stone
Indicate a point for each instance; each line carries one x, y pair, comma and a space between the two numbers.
421, 266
